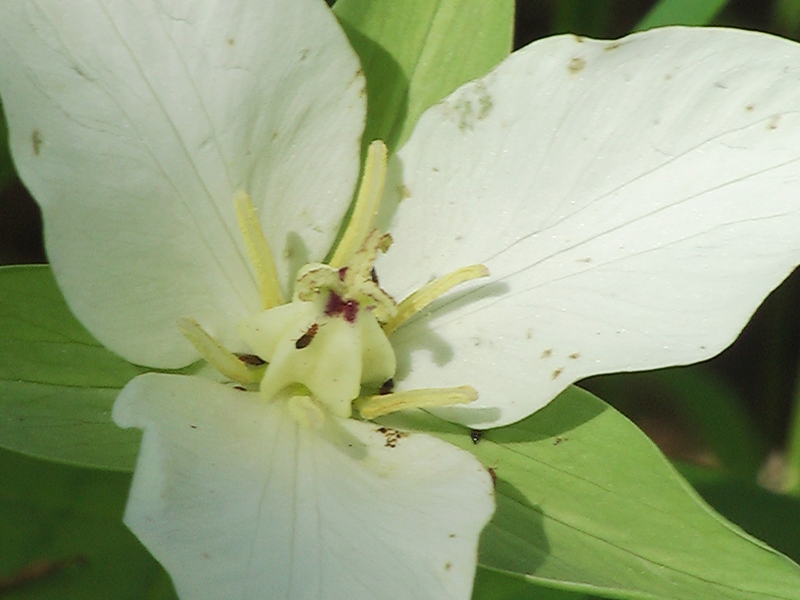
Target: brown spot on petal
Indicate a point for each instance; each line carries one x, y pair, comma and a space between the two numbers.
36, 141
393, 436
576, 65
493, 474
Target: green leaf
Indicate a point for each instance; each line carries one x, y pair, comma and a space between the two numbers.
718, 411
63, 538
785, 17
681, 12
589, 19
791, 476
57, 383
713, 407
491, 584
415, 52
586, 502
770, 517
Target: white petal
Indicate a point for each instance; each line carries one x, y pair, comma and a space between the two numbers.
134, 122
238, 501
634, 201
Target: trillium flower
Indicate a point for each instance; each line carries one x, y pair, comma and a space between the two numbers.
587, 207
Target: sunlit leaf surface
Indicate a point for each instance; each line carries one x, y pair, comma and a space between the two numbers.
57, 383
415, 52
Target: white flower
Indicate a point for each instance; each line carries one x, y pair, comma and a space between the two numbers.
632, 202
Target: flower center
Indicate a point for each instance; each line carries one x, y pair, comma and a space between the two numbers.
331, 341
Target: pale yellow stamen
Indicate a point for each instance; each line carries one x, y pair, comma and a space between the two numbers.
430, 292
218, 356
372, 407
366, 207
258, 250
